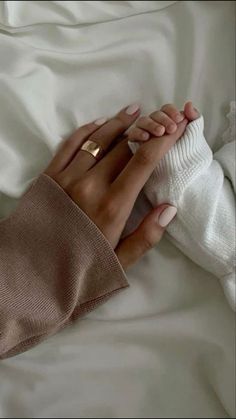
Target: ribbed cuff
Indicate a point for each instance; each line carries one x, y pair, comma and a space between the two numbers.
55, 266
104, 272
189, 154
183, 162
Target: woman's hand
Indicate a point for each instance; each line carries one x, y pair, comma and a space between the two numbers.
106, 190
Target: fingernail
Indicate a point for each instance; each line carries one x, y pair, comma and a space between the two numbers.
145, 136
132, 109
100, 121
166, 216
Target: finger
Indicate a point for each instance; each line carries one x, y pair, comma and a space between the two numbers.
138, 134
114, 162
190, 112
104, 136
136, 173
146, 236
68, 148
173, 113
153, 127
165, 120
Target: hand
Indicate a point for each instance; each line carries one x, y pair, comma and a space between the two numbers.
106, 190
164, 121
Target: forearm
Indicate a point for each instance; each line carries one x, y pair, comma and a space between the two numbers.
55, 265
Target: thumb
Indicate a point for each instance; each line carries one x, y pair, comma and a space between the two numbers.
146, 236
190, 112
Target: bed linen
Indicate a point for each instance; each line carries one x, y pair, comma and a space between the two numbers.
165, 346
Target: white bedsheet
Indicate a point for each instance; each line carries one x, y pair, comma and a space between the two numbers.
165, 346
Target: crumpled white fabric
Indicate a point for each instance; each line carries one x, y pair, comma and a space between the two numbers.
230, 134
164, 347
17, 14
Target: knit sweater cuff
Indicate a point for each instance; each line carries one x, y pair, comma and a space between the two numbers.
78, 236
55, 266
188, 155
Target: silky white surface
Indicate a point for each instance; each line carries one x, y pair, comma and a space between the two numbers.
165, 346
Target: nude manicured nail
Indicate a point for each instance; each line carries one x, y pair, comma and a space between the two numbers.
166, 216
100, 121
132, 109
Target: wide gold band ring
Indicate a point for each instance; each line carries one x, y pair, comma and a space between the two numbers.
93, 148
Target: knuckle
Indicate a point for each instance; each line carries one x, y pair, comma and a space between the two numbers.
84, 188
152, 126
132, 133
167, 106
138, 130
144, 156
141, 132
156, 114
143, 120
175, 113
165, 118
63, 180
87, 129
96, 136
110, 208
153, 114
147, 241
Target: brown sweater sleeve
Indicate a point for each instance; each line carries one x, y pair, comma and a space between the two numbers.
55, 265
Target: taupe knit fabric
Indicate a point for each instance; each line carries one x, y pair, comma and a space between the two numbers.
55, 265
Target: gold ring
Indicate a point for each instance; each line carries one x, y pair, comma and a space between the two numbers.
93, 148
